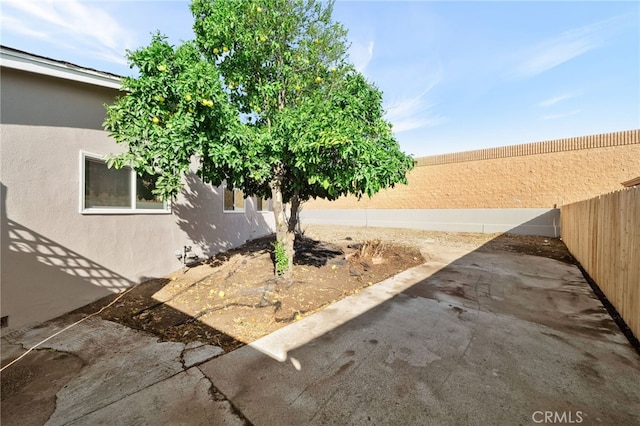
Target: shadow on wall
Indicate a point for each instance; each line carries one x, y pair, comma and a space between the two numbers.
24, 241
41, 278
546, 224
199, 214
30, 99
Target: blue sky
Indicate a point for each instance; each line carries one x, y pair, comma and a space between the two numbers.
456, 76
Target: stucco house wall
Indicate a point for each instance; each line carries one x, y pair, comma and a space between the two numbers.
55, 258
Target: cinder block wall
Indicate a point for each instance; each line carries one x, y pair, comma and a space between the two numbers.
533, 175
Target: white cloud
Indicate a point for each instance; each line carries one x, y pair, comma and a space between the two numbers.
555, 99
361, 54
551, 55
73, 24
561, 115
414, 112
16, 26
562, 48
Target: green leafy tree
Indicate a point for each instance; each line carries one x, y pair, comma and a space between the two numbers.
263, 98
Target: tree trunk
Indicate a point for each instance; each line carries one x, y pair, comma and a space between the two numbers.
285, 234
294, 214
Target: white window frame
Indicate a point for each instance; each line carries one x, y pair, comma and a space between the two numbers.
133, 182
235, 191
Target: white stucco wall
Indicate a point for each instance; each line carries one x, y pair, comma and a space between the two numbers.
55, 259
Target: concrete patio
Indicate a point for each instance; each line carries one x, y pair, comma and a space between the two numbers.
469, 337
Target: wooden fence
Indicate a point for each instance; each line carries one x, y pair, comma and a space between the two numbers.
603, 234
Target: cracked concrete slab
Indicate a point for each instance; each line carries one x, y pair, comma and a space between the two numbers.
124, 369
23, 399
183, 399
478, 338
196, 353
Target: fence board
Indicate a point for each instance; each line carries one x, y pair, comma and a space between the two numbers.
603, 234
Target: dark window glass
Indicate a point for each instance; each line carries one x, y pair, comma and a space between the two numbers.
145, 199
106, 188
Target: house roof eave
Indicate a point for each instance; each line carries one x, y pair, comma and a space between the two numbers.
23, 61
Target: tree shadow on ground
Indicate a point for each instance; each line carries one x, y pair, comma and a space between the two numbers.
141, 311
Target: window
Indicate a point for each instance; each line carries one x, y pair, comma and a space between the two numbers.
233, 200
106, 190
263, 204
